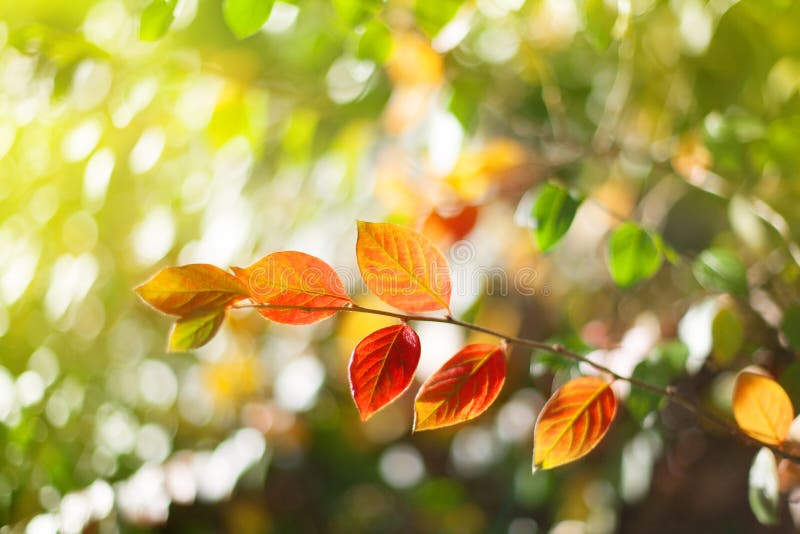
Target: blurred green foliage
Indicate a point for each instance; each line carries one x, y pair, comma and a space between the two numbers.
138, 134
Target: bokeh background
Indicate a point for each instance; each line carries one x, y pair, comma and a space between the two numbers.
120, 156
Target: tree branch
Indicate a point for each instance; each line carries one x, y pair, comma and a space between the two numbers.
668, 392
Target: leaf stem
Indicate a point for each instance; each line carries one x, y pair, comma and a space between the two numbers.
668, 392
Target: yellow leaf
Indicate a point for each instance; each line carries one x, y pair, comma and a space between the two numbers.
477, 172
232, 379
573, 422
762, 408
414, 62
191, 289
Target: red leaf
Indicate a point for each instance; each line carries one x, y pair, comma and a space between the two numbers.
573, 421
402, 267
293, 279
191, 289
382, 367
463, 388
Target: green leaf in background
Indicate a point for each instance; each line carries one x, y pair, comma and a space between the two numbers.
718, 269
641, 402
791, 326
552, 215
599, 18
674, 353
545, 361
194, 331
156, 19
246, 17
632, 255
790, 380
465, 99
375, 43
665, 362
432, 16
727, 335
355, 12
670, 254
298, 139
763, 487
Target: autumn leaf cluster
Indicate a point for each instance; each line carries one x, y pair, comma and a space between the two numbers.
405, 270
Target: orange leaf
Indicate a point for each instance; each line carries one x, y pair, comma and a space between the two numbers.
445, 229
762, 408
402, 267
414, 62
190, 289
462, 389
293, 279
573, 421
382, 367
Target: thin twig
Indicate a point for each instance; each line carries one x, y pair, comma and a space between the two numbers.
668, 392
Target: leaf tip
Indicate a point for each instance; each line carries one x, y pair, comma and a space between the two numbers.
173, 345
242, 276
416, 425
414, 428
365, 414
142, 291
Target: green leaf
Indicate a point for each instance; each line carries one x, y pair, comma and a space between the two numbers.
790, 380
632, 255
156, 19
727, 335
670, 254
721, 270
791, 326
552, 215
465, 99
641, 402
674, 353
432, 16
599, 21
375, 43
246, 17
763, 487
553, 362
194, 331
470, 315
355, 12
663, 364
298, 138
